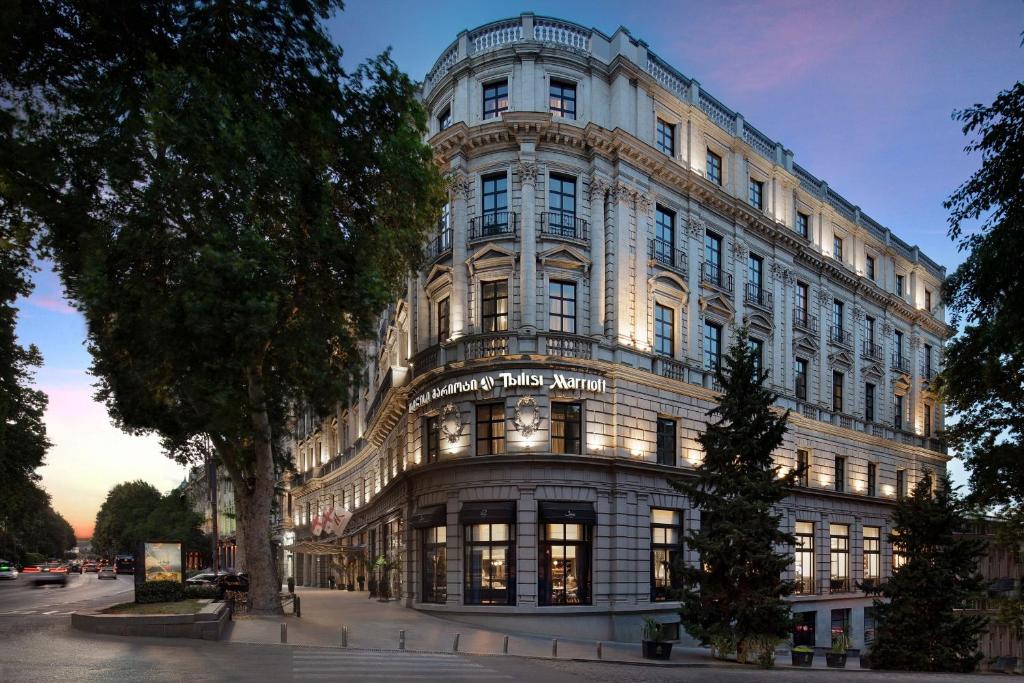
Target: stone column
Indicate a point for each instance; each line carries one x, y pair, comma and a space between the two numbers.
598, 188
915, 374
643, 205
526, 169
783, 338
824, 375
695, 228
858, 382
423, 340
461, 189
739, 269
622, 198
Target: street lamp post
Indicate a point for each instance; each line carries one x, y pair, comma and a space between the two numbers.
211, 473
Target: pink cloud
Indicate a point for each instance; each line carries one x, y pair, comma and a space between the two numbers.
51, 303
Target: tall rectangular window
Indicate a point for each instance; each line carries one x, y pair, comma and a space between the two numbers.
562, 307
897, 413
567, 428
900, 280
840, 473
872, 554
494, 204
756, 194
755, 279
804, 558
901, 484
713, 258
928, 361
562, 205
666, 137
490, 429
927, 419
839, 560
872, 479
664, 235
803, 222
712, 346
899, 555
837, 248
898, 344
803, 301
494, 306
869, 267
714, 168
837, 320
664, 330
801, 379
444, 119
803, 467
443, 320
431, 438
435, 565
666, 551
757, 349
565, 564
495, 99
562, 99
837, 392
489, 565
666, 441
928, 300
869, 402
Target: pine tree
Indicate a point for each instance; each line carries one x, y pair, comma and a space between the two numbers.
919, 623
734, 599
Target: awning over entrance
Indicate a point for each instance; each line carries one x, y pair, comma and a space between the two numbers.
318, 548
488, 512
568, 512
430, 516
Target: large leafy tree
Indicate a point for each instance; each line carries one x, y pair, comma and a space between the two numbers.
921, 623
228, 208
123, 518
733, 599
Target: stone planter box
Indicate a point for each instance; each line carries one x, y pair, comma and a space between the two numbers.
206, 624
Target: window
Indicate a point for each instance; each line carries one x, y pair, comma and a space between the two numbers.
666, 550
756, 194
803, 552
714, 168
840, 483
432, 438
803, 300
897, 415
562, 307
757, 349
666, 441
801, 379
443, 320
927, 419
837, 248
839, 558
666, 138
899, 285
712, 346
928, 300
869, 267
562, 205
566, 428
664, 235
713, 257
872, 554
840, 622
837, 392
444, 119
565, 564
562, 99
869, 402
901, 484
899, 557
803, 628
664, 330
803, 225
490, 428
872, 479
435, 565
803, 467
755, 279
494, 208
928, 361
837, 321
898, 344
494, 306
870, 625
495, 99
490, 566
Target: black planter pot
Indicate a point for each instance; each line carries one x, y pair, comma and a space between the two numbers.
351, 588
653, 649
802, 658
836, 660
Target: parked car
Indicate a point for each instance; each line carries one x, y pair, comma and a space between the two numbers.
8, 570
49, 573
106, 572
206, 578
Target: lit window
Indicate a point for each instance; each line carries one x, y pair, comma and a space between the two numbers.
565, 564
664, 330
562, 99
666, 551
666, 137
562, 307
839, 560
756, 194
804, 558
489, 565
566, 428
495, 99
490, 429
494, 306
435, 565
872, 554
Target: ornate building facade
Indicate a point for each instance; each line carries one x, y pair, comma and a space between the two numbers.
610, 226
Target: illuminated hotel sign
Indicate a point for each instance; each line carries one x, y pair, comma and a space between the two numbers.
509, 380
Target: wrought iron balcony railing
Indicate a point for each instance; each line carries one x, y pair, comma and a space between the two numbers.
439, 245
802, 320
714, 275
563, 225
839, 335
663, 253
901, 363
870, 349
495, 224
757, 296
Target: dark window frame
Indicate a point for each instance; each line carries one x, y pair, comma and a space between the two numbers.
872, 479
492, 319
839, 559
488, 417
712, 356
444, 319
800, 378
756, 193
666, 441
838, 379
664, 344
489, 596
434, 583
803, 467
570, 441
562, 297
872, 554
667, 553
561, 94
840, 474
495, 98
444, 118
664, 234
583, 552
431, 438
665, 137
869, 401
803, 558
803, 224
713, 167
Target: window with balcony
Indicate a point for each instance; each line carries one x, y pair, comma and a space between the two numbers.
664, 330
872, 479
803, 551
755, 280
803, 223
567, 428
756, 194
431, 438
562, 99
562, 307
869, 267
872, 554
495, 99
803, 301
443, 320
757, 350
666, 138
666, 446
494, 204
490, 428
712, 346
494, 306
803, 467
714, 168
927, 419
837, 248
900, 288
561, 218
666, 551
837, 391
713, 257
444, 119
928, 371
839, 558
897, 413
664, 235
801, 379
869, 401
840, 466
838, 330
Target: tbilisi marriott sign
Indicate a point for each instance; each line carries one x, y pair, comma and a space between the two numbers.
510, 380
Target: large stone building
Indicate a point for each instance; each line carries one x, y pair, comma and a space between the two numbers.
610, 227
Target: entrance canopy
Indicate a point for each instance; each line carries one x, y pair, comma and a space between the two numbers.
569, 513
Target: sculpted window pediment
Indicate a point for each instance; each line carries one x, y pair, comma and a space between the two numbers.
491, 256
564, 256
717, 305
901, 383
438, 277
872, 371
760, 322
806, 345
671, 285
841, 359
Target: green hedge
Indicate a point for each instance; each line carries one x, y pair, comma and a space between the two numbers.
159, 591
202, 592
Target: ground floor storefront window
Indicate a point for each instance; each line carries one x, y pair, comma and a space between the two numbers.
489, 571
435, 561
566, 538
666, 549
803, 628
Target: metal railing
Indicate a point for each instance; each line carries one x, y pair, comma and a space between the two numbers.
439, 245
758, 296
568, 345
840, 335
802, 320
426, 360
564, 225
716, 276
901, 363
928, 372
491, 225
870, 349
663, 253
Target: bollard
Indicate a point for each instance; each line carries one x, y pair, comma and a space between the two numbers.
401, 640
344, 636
554, 647
599, 648
455, 643
284, 633
298, 606
504, 647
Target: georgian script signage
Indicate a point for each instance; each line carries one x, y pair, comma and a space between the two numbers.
509, 380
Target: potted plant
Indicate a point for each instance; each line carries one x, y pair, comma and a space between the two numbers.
803, 655
361, 580
291, 584
654, 645
836, 657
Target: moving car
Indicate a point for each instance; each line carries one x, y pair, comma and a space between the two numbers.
89, 566
106, 572
49, 573
8, 570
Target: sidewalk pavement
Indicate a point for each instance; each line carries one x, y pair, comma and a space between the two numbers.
374, 625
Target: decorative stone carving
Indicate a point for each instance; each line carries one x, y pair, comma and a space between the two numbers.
695, 225
858, 314
642, 202
527, 172
527, 416
620, 192
739, 250
915, 341
451, 423
887, 328
459, 183
824, 297
598, 188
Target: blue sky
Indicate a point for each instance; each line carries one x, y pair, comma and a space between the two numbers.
862, 92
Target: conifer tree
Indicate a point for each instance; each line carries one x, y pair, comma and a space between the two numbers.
919, 623
733, 599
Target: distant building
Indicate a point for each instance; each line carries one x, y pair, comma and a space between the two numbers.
197, 488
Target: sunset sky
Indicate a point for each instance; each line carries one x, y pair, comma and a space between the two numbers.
862, 93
